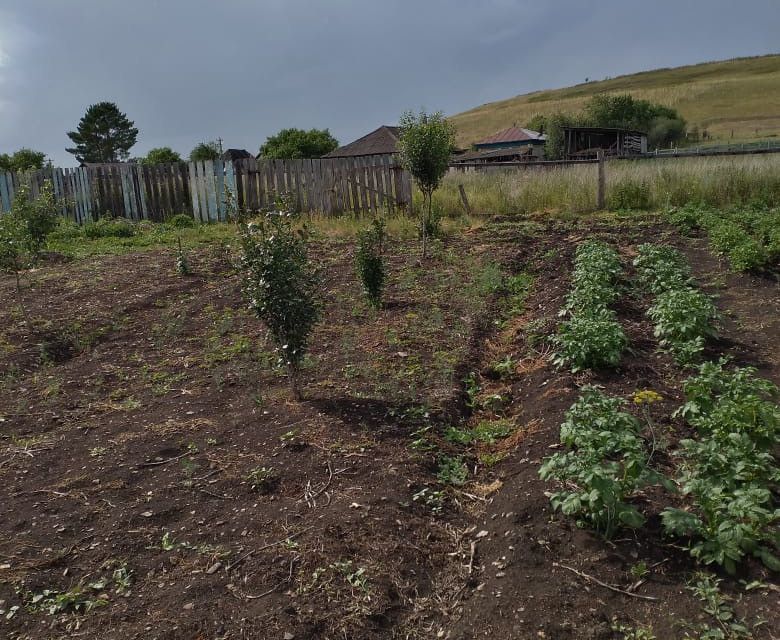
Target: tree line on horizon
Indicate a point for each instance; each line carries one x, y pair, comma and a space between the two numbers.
105, 135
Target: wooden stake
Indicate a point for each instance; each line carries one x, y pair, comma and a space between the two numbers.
600, 204
464, 199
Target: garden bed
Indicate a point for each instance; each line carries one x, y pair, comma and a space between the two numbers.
160, 483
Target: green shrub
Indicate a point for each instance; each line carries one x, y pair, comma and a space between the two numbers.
629, 194
13, 245
182, 221
109, 228
281, 286
606, 463
370, 262
452, 470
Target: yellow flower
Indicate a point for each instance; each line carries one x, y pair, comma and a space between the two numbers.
647, 396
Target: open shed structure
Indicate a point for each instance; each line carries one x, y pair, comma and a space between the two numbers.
586, 142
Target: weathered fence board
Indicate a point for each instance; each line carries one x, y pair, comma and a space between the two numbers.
144, 192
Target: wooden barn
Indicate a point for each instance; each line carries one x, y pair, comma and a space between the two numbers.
585, 142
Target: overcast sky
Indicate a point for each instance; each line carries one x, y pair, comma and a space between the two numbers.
192, 70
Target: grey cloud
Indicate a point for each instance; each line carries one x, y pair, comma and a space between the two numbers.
188, 70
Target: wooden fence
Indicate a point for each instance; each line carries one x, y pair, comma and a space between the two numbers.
155, 192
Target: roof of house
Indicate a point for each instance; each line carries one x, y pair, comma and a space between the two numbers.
236, 154
512, 134
380, 141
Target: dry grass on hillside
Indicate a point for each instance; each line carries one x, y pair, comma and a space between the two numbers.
741, 95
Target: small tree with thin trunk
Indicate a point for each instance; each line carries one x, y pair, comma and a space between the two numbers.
281, 286
426, 146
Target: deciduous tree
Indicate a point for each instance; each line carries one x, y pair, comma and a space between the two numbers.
425, 145
161, 155
298, 143
205, 151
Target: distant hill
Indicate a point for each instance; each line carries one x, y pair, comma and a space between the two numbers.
740, 96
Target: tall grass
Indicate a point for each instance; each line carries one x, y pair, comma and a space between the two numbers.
641, 184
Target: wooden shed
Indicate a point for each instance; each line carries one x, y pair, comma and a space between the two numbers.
586, 142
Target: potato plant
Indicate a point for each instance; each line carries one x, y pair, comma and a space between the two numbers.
729, 472
605, 464
748, 236
661, 268
592, 337
684, 317
590, 341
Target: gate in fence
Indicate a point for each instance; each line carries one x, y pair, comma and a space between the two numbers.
155, 192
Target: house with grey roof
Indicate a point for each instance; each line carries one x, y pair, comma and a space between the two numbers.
381, 141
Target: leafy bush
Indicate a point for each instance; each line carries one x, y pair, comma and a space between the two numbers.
629, 194
684, 318
605, 464
730, 471
370, 262
182, 221
299, 143
591, 341
38, 216
13, 243
281, 286
24, 230
161, 155
110, 228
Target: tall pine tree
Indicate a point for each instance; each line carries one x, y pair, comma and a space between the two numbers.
104, 134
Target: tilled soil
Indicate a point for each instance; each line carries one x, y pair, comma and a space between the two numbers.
135, 404
527, 585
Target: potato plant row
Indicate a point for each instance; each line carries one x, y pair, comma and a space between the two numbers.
723, 488
748, 236
684, 316
592, 337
